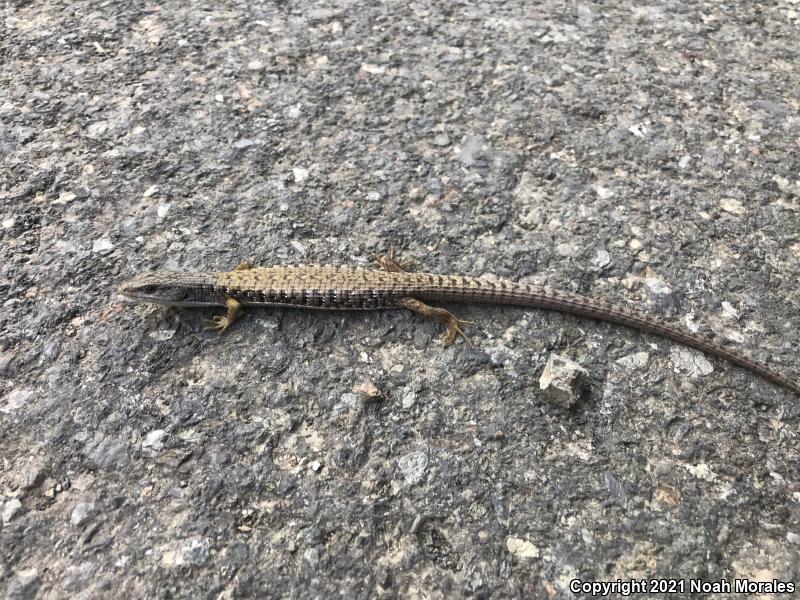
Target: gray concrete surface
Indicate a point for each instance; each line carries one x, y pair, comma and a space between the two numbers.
645, 154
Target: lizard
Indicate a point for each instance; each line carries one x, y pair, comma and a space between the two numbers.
327, 287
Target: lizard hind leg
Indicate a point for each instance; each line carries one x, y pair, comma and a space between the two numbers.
220, 323
453, 323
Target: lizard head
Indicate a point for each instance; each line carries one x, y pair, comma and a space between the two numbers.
167, 287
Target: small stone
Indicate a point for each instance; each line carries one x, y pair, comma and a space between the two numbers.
348, 402
123, 561
562, 381
243, 144
50, 350
368, 391
196, 551
102, 246
300, 174
162, 210
604, 193
162, 335
658, 286
49, 489
469, 151
65, 198
81, 513
690, 361
639, 130
9, 222
701, 471
193, 551
441, 140
522, 548
729, 311
299, 247
602, 259
154, 440
634, 361
409, 399
413, 466
97, 129
311, 556
734, 207
372, 69
568, 250
11, 509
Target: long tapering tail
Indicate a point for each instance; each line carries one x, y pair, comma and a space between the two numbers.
498, 291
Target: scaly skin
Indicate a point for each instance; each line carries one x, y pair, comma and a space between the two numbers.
349, 288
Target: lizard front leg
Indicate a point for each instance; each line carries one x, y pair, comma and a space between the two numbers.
388, 262
453, 323
220, 323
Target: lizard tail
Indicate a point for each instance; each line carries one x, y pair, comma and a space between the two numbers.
498, 291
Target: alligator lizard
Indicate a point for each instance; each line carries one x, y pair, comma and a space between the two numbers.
350, 288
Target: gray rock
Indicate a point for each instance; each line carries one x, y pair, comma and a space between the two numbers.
195, 551
562, 381
81, 513
11, 509
413, 466
154, 440
470, 150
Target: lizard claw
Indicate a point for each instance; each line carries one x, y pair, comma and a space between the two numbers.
454, 330
221, 323
218, 323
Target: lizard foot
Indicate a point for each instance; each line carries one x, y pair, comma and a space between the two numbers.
453, 323
454, 329
220, 323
